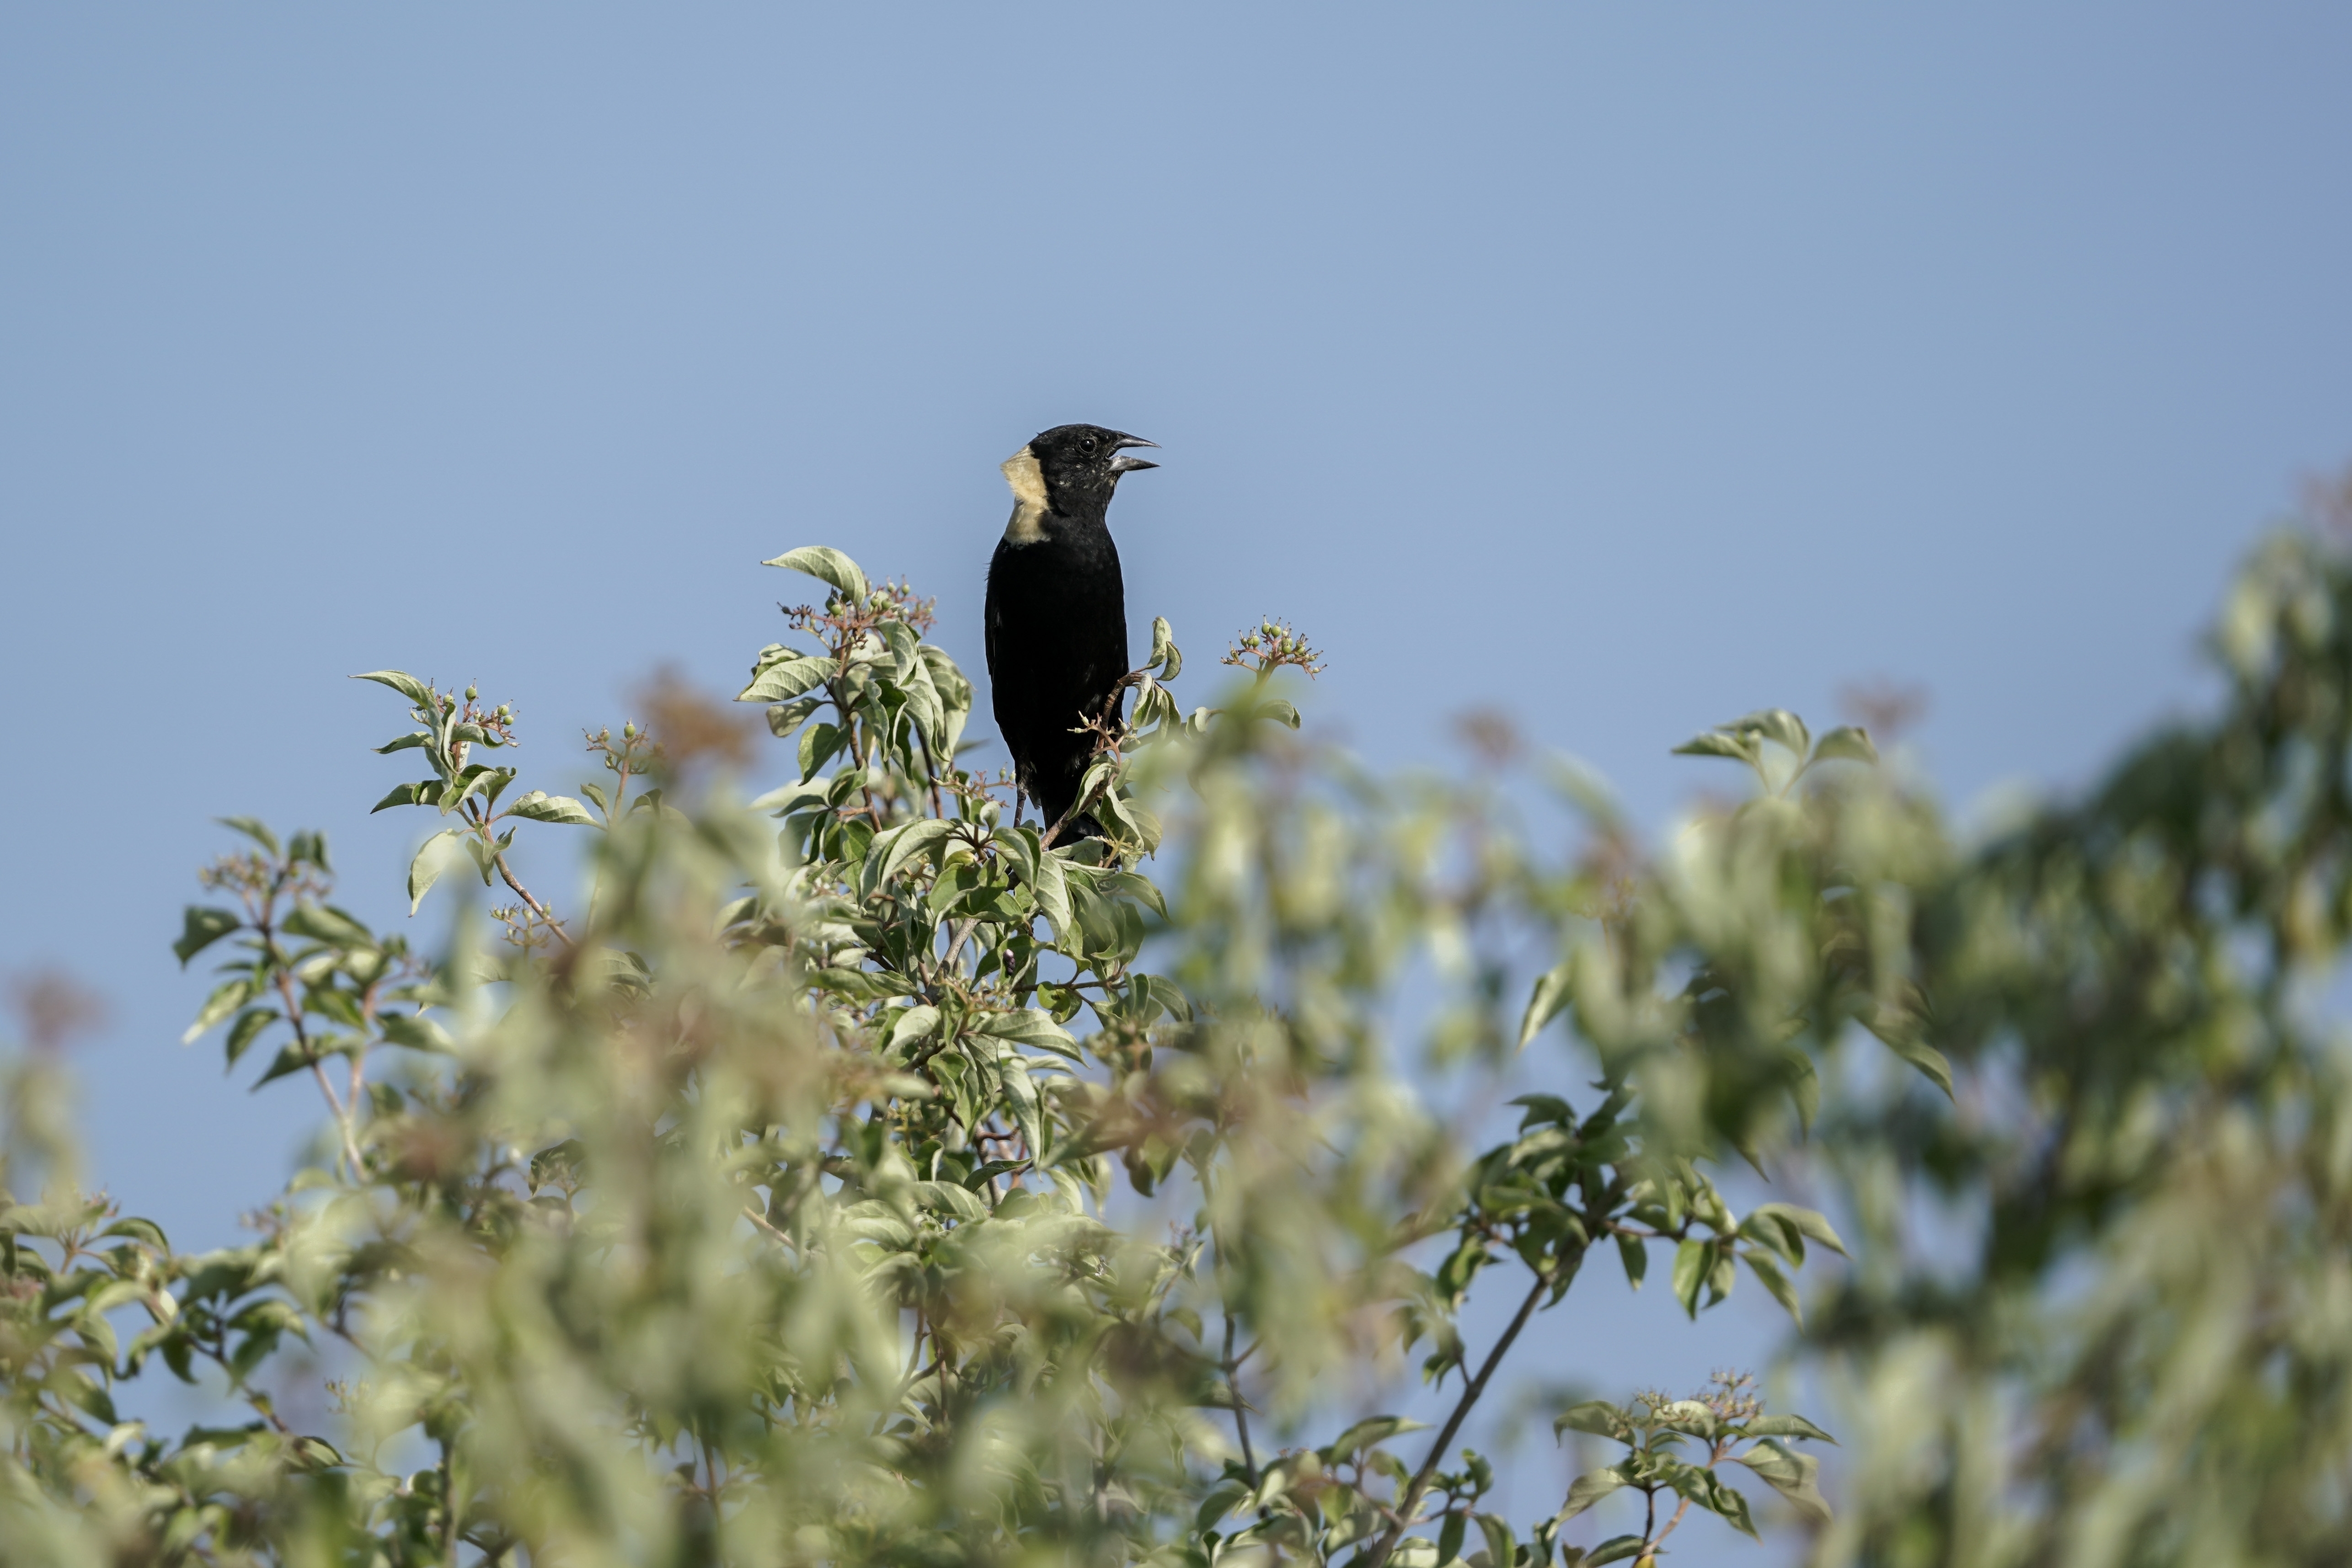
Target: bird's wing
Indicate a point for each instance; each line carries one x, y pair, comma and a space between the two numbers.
1002, 700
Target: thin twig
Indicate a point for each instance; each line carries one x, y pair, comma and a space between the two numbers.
1240, 1406
537, 908
751, 1213
1649, 1545
964, 930
302, 1042
1419, 1483
451, 1519
1100, 726
343, 1119
481, 820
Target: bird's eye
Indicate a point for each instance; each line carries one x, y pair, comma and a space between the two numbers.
1090, 444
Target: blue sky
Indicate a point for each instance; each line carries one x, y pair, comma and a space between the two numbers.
1624, 368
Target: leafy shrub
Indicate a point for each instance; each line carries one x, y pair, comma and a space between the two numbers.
861, 1174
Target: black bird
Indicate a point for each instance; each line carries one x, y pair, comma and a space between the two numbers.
1057, 610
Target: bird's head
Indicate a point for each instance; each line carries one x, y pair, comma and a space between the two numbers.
1079, 465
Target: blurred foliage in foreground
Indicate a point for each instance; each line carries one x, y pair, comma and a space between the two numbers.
854, 1176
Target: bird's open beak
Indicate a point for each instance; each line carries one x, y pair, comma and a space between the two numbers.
1123, 464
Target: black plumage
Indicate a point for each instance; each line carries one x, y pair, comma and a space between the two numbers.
1057, 610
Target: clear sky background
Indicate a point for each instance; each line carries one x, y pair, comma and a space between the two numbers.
1624, 368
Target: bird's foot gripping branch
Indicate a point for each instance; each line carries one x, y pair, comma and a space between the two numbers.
853, 1175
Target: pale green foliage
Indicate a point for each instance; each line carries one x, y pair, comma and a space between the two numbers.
2143, 1353
858, 1177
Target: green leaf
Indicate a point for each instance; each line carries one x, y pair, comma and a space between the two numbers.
1787, 1427
1550, 995
951, 1199
893, 850
784, 719
861, 985
407, 684
1768, 1273
1616, 1548
1847, 743
1590, 1488
431, 859
1502, 1547
478, 777
818, 744
1693, 1417
915, 1023
1778, 1232
247, 1028
138, 1230
825, 564
1028, 1026
1930, 1062
1597, 1416
1449, 1537
324, 922
426, 793
317, 1453
955, 697
565, 1163
1722, 1500
789, 798
332, 1002
87, 1392
1777, 724
1635, 1253
1544, 1108
412, 738
1028, 1108
416, 1032
1369, 1433
906, 663
1159, 991
1018, 846
1794, 1475
291, 1059
226, 997
1691, 1261
254, 828
1715, 743
651, 801
1052, 891
1169, 661
201, 927
1815, 1227
787, 678
1220, 1501
1412, 1552
538, 806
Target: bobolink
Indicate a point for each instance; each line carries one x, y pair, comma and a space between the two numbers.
1057, 611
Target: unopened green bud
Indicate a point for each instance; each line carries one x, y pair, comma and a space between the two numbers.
471, 694
629, 731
